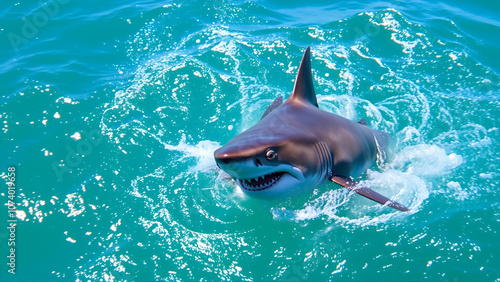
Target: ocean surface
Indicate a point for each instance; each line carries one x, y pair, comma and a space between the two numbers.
110, 114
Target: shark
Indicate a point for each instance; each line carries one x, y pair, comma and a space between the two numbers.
296, 146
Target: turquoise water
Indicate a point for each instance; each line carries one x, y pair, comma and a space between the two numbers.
110, 114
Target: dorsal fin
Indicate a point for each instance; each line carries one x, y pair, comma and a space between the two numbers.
276, 103
304, 88
363, 121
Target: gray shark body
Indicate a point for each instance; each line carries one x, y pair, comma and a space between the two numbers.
296, 146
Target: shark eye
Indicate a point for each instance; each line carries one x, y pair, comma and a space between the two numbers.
270, 154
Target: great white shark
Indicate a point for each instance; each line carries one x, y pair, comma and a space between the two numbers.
296, 146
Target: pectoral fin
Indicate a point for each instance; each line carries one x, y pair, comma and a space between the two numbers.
367, 192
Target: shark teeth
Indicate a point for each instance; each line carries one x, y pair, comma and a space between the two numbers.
262, 182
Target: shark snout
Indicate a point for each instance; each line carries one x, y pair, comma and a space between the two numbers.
226, 155
222, 157
226, 159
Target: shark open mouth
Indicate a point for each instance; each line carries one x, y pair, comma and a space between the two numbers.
262, 182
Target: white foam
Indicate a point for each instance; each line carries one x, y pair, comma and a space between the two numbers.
76, 136
457, 191
424, 159
358, 51
486, 175
326, 204
202, 152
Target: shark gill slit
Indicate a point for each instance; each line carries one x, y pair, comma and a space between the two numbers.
325, 159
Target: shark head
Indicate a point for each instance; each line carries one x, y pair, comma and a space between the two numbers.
271, 164
278, 155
